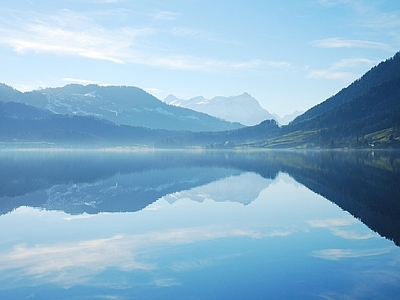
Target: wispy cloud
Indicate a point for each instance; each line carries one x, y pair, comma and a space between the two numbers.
153, 91
353, 62
193, 264
384, 21
165, 282
336, 42
195, 63
333, 75
166, 16
345, 69
191, 33
354, 234
72, 263
368, 17
327, 223
52, 261
73, 34
338, 254
340, 227
69, 34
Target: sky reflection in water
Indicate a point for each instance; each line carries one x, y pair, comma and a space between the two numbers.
241, 236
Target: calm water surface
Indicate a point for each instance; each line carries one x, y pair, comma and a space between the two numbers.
199, 225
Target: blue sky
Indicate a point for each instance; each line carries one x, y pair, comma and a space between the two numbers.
289, 55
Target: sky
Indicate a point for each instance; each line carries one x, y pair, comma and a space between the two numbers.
289, 55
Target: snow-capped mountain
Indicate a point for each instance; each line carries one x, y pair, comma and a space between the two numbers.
242, 108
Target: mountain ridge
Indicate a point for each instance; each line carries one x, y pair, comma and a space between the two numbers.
120, 104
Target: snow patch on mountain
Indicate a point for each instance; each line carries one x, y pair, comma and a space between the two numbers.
243, 188
242, 108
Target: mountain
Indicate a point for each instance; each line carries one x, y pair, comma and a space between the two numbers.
375, 110
379, 74
369, 119
119, 104
24, 123
242, 108
14, 110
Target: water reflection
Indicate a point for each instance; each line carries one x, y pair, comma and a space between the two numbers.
363, 183
207, 225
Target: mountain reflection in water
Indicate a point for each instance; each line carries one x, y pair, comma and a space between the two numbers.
364, 183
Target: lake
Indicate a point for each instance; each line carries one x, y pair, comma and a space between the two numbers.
153, 224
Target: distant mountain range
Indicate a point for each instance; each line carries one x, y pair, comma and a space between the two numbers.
242, 108
118, 104
365, 114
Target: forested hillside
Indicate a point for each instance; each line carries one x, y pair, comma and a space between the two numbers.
385, 71
355, 122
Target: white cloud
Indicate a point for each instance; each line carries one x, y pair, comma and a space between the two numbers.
191, 33
353, 62
345, 69
327, 223
338, 228
165, 282
71, 34
338, 254
77, 262
336, 42
195, 63
154, 90
165, 15
353, 234
79, 81
54, 262
333, 75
